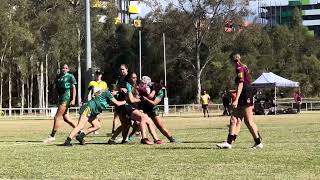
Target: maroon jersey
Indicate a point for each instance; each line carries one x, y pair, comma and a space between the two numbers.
243, 75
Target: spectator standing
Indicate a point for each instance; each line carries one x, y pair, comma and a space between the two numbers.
205, 101
226, 103
298, 101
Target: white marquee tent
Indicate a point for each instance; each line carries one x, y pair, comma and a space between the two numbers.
271, 80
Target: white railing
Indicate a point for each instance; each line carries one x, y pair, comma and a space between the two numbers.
45, 113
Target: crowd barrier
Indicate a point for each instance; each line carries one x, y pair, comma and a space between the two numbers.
45, 113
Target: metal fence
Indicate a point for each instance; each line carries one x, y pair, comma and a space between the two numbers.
305, 106
45, 113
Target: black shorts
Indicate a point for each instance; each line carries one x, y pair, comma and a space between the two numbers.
246, 96
237, 112
129, 109
151, 111
204, 106
120, 109
151, 114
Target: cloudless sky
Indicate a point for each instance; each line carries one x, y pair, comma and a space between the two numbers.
253, 6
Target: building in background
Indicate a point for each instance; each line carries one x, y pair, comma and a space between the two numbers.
280, 12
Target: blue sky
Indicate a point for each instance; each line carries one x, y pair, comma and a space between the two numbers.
144, 9
253, 5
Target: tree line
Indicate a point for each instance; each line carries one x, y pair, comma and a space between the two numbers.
37, 37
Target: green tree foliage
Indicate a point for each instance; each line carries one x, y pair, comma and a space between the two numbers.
31, 30
280, 49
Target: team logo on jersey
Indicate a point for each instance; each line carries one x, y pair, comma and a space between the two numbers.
240, 75
248, 100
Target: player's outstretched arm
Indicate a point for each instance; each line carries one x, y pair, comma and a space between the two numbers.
152, 102
118, 103
89, 96
132, 99
152, 94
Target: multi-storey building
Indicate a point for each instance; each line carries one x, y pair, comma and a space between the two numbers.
280, 12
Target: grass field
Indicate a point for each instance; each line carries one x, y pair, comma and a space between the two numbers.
292, 151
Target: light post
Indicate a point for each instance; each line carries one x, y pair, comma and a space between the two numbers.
88, 44
88, 35
140, 55
165, 99
137, 24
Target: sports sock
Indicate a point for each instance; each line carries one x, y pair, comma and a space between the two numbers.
234, 137
230, 138
257, 140
53, 133
82, 135
259, 136
171, 139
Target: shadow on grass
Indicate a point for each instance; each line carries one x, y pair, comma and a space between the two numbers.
64, 145
22, 141
99, 143
192, 142
105, 143
179, 148
212, 148
209, 128
77, 144
98, 135
129, 144
196, 116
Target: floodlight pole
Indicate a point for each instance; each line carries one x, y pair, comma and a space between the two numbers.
88, 45
140, 65
164, 60
165, 100
88, 35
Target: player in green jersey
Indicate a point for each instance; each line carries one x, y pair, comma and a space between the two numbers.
89, 112
66, 85
151, 108
132, 111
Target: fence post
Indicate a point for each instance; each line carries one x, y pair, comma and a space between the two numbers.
306, 106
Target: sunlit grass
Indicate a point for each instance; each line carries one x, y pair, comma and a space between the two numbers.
292, 151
